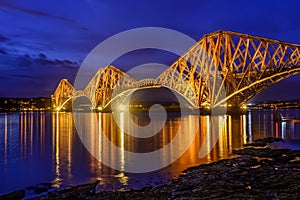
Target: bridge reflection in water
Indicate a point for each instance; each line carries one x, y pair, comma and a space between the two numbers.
44, 147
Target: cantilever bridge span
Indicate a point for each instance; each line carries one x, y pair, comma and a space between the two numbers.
236, 64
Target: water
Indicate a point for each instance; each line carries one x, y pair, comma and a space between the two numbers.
45, 147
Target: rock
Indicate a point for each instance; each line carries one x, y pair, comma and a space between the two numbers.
262, 152
77, 192
264, 142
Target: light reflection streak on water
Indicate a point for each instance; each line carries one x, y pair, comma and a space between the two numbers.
250, 126
10, 133
229, 122
57, 179
208, 131
122, 177
222, 135
21, 132
283, 129
42, 130
100, 139
69, 146
122, 163
25, 136
5, 141
31, 132
244, 130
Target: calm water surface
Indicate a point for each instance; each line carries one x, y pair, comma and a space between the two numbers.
45, 147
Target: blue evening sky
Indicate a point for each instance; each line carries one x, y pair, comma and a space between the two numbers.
42, 42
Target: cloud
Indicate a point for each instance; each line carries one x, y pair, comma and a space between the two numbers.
33, 12
36, 73
3, 39
25, 60
56, 62
42, 60
3, 52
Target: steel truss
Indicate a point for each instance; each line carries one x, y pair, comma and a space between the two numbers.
222, 67
63, 93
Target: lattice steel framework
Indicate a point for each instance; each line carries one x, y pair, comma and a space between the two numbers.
222, 67
249, 64
106, 81
240, 64
63, 93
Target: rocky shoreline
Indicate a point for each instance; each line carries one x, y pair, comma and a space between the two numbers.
257, 173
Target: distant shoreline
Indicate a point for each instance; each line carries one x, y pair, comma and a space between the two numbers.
44, 104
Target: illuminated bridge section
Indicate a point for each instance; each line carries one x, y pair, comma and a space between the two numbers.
222, 67
249, 64
63, 93
100, 89
239, 64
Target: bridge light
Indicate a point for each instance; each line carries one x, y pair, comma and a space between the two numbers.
100, 108
244, 106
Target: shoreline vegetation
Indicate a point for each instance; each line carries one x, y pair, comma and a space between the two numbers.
258, 172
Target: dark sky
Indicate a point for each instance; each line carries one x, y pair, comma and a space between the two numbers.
42, 42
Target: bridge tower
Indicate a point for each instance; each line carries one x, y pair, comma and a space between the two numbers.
63, 93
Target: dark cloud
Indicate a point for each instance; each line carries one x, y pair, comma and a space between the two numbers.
42, 56
33, 12
3, 52
57, 62
25, 60
3, 39
38, 74
43, 61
